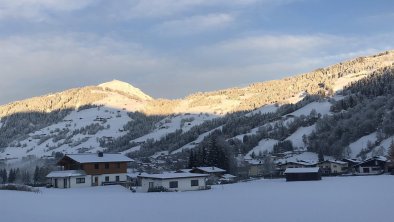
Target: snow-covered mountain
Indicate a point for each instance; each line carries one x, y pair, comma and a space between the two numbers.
116, 116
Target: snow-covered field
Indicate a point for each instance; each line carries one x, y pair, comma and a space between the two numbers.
335, 199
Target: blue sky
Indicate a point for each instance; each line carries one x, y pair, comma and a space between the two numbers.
170, 48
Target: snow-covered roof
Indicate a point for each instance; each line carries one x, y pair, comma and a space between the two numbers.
95, 158
228, 176
299, 163
172, 175
211, 169
302, 170
66, 173
335, 161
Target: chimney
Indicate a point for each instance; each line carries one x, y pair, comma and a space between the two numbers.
100, 154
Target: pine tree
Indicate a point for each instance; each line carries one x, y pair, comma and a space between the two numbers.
11, 176
391, 150
3, 176
321, 156
36, 176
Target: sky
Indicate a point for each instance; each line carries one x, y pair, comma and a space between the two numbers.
171, 48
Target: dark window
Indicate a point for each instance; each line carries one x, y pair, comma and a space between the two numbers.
150, 185
173, 184
107, 179
81, 167
194, 183
107, 166
117, 178
96, 166
118, 165
80, 180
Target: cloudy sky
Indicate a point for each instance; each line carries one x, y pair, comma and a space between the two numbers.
170, 48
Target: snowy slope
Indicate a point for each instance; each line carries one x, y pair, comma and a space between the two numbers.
103, 117
320, 107
296, 137
264, 145
263, 110
361, 143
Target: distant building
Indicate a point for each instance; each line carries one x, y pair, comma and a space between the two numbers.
84, 170
281, 167
214, 173
374, 165
173, 181
302, 174
333, 167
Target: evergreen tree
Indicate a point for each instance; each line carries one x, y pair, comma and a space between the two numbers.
3, 176
11, 176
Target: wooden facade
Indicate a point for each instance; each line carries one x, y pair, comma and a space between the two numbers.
94, 168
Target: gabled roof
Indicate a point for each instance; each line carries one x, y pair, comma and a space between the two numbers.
172, 175
66, 173
211, 169
95, 158
334, 161
302, 170
375, 158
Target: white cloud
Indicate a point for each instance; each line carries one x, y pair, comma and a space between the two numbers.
38, 10
195, 24
165, 8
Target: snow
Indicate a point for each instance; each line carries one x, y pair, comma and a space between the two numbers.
172, 123
306, 157
296, 137
263, 110
125, 87
339, 199
94, 158
211, 169
172, 175
361, 143
320, 107
67, 173
264, 145
302, 170
192, 144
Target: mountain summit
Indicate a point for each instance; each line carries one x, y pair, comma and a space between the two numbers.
126, 88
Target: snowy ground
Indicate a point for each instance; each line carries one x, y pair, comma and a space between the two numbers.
357, 199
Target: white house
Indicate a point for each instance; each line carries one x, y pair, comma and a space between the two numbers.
173, 181
69, 178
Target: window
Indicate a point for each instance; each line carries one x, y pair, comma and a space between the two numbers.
173, 184
107, 166
150, 185
194, 183
117, 178
80, 180
107, 179
96, 166
118, 165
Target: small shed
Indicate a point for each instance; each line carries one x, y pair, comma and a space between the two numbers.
303, 174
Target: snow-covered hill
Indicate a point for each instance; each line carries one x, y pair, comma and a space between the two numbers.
88, 119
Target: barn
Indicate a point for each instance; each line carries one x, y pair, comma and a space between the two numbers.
303, 174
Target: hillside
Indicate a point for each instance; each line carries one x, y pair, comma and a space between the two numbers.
304, 112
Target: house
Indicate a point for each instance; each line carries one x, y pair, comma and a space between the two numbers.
227, 178
256, 169
84, 170
281, 167
303, 174
351, 163
214, 173
333, 167
374, 165
173, 182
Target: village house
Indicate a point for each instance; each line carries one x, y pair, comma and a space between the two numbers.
351, 163
333, 167
214, 173
303, 174
281, 167
374, 165
256, 169
173, 182
84, 170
